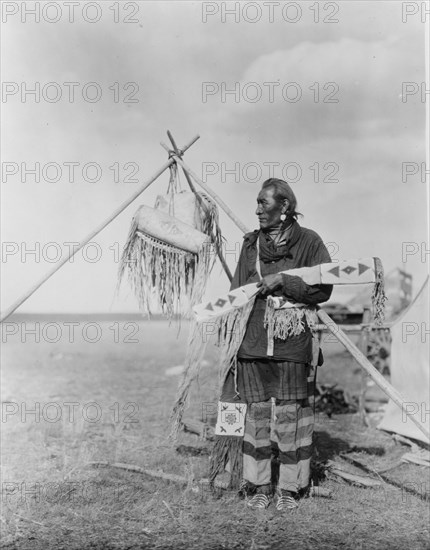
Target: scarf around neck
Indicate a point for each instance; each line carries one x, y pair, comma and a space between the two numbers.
269, 251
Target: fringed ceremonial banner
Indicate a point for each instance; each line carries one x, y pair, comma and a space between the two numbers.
346, 272
168, 253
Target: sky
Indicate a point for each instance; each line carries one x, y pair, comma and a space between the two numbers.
330, 100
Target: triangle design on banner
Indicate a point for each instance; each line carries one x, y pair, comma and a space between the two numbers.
362, 268
335, 271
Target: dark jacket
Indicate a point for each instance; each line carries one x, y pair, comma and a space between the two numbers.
304, 249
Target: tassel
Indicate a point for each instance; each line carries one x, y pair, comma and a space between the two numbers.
378, 295
209, 217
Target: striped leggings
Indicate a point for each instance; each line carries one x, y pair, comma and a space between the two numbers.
290, 436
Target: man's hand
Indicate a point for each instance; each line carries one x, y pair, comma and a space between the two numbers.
270, 283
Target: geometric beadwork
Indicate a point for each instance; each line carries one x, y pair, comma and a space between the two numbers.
349, 272
230, 419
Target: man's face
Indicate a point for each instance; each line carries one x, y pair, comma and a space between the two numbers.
268, 209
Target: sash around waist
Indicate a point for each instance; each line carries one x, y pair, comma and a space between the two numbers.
254, 344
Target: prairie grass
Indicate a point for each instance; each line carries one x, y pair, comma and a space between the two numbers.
53, 498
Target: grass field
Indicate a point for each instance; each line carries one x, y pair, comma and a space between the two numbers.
110, 401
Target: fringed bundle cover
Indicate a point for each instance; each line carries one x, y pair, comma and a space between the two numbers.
195, 209
167, 260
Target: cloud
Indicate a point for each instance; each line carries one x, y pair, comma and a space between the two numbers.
338, 89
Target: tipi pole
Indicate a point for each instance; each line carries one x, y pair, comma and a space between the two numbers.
193, 189
362, 360
364, 363
93, 233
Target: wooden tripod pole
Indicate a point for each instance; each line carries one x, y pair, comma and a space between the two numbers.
364, 363
193, 189
93, 233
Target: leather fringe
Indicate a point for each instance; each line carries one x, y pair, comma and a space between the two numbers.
285, 322
378, 295
227, 449
156, 268
231, 330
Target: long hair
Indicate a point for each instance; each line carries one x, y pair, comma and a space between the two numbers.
282, 191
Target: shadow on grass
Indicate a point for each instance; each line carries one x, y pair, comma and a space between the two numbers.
327, 446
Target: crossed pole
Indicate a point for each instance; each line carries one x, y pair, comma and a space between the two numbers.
93, 233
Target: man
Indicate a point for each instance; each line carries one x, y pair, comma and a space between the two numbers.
275, 367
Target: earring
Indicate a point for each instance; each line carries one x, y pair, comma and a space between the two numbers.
283, 217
